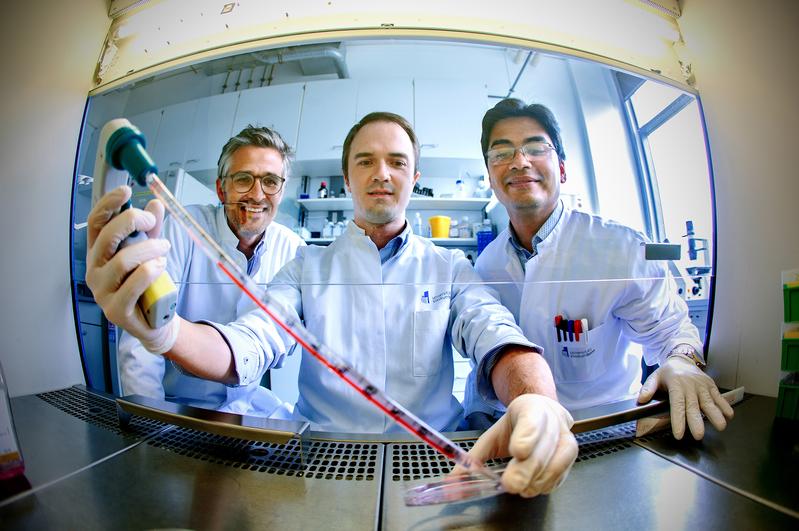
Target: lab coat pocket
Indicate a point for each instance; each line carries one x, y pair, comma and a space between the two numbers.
429, 331
583, 360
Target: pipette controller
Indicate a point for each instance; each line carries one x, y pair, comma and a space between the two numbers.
121, 157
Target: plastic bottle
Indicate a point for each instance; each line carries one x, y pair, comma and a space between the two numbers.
464, 228
417, 225
453, 229
11, 463
482, 189
322, 192
460, 192
338, 229
327, 231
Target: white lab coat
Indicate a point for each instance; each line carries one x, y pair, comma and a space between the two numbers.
591, 268
395, 323
205, 293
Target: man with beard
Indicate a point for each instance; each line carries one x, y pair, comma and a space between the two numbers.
390, 303
252, 171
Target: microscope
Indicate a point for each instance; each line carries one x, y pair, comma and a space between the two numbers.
697, 247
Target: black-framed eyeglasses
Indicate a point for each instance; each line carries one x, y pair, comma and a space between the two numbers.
531, 150
243, 182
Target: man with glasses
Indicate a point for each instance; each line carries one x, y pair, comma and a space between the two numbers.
389, 302
252, 171
580, 285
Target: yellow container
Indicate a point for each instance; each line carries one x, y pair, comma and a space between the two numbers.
439, 226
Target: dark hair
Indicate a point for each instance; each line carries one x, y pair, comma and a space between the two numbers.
380, 117
516, 108
258, 137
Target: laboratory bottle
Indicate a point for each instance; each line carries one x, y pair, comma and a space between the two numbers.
417, 225
11, 463
322, 192
453, 229
464, 229
338, 229
482, 189
460, 191
327, 231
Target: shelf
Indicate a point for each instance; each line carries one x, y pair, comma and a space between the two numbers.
443, 242
416, 203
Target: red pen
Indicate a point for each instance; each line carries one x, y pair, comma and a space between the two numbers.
558, 319
578, 327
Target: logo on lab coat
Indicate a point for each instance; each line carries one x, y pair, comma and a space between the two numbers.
566, 353
436, 298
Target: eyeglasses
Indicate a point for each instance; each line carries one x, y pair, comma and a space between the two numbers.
531, 150
243, 182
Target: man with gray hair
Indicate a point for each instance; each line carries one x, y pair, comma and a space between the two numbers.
251, 174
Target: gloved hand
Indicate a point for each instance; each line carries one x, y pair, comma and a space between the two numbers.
691, 393
535, 431
117, 279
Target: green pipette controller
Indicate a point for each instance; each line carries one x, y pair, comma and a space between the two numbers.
121, 157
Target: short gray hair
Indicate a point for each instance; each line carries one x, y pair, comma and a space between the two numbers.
257, 137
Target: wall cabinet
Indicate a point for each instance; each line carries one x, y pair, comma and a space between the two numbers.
169, 150
211, 127
277, 107
448, 121
392, 95
328, 113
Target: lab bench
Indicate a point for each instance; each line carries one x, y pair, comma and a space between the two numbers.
88, 473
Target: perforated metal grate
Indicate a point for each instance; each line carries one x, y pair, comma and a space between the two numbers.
97, 410
605, 441
413, 461
325, 460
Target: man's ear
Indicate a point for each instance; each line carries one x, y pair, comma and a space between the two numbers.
347, 183
562, 171
220, 191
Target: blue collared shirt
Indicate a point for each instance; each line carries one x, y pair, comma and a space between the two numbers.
254, 262
542, 234
395, 244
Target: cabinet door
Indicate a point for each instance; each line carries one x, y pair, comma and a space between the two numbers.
277, 107
448, 117
211, 128
328, 113
393, 95
173, 135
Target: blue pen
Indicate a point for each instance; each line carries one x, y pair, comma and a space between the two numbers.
571, 330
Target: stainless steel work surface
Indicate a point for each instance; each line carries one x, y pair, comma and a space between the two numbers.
754, 454
623, 486
171, 483
64, 431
